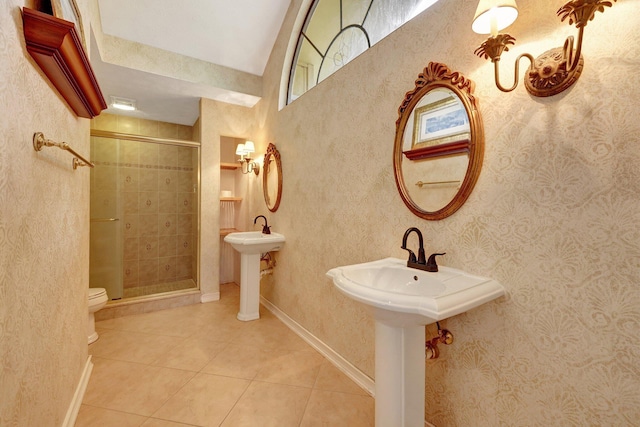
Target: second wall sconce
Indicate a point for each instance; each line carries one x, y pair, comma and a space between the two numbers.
244, 151
553, 71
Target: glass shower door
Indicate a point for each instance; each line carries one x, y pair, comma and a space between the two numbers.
106, 244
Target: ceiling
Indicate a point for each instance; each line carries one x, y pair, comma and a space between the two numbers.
238, 34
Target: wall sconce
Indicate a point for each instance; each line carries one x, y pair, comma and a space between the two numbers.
244, 151
553, 71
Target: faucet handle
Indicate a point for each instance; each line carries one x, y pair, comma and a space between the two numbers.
432, 265
266, 229
412, 255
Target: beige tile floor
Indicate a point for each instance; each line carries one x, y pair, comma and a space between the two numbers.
199, 366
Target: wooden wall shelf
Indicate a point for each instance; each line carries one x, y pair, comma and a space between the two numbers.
225, 231
54, 45
229, 166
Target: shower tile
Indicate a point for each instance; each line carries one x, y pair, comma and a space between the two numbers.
104, 203
167, 246
205, 400
148, 247
167, 202
166, 269
149, 128
131, 225
168, 155
105, 150
167, 180
128, 125
168, 130
183, 267
185, 157
105, 177
148, 225
185, 181
184, 245
105, 122
130, 273
184, 203
184, 224
148, 271
131, 245
130, 202
185, 133
129, 179
149, 154
148, 202
130, 153
167, 224
148, 179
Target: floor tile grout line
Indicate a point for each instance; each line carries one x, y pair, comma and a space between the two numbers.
235, 403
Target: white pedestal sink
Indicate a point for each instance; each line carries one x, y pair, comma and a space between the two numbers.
404, 300
251, 244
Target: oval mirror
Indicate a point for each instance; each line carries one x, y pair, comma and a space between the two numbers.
272, 178
439, 144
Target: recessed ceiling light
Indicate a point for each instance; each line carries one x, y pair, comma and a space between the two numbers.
125, 104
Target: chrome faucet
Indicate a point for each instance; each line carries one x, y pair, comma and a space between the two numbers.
265, 229
421, 262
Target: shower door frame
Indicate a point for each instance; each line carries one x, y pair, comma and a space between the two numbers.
176, 142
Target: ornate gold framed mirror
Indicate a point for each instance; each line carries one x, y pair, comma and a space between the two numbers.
272, 178
439, 144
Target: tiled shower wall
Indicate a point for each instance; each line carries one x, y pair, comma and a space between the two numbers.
153, 187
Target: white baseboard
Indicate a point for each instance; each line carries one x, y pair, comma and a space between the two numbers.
74, 407
213, 296
338, 361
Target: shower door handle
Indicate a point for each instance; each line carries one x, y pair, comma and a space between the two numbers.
104, 219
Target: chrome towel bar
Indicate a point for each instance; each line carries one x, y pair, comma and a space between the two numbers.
39, 141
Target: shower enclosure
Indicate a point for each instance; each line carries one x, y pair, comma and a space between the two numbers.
144, 215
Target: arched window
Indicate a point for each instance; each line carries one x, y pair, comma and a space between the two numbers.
336, 31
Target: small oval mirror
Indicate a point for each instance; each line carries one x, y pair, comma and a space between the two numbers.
439, 143
272, 178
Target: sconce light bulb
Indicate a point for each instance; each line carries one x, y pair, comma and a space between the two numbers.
494, 15
249, 147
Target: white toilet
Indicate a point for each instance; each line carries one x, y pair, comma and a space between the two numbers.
97, 299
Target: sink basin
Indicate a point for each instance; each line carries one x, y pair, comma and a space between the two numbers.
254, 242
251, 244
404, 300
402, 295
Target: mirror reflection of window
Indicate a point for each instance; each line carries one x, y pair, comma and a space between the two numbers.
337, 31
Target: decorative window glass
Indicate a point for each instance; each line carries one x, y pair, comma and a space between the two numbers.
336, 31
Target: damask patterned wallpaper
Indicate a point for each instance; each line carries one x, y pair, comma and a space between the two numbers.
554, 216
44, 239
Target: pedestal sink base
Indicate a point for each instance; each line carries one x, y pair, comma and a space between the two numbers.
404, 300
249, 287
251, 244
400, 375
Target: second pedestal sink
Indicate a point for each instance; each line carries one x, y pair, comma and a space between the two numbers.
251, 244
404, 300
